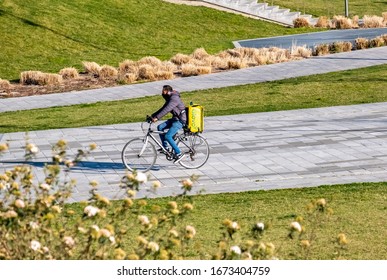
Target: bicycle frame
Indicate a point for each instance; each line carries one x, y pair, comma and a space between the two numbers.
148, 135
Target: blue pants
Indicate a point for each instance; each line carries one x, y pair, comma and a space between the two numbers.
173, 127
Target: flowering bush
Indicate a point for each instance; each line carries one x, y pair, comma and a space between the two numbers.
36, 222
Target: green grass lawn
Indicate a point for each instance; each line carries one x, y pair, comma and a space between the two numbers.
49, 35
365, 85
359, 211
333, 7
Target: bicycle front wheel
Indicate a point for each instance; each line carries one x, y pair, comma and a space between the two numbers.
138, 155
195, 149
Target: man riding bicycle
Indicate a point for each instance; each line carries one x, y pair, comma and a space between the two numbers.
174, 105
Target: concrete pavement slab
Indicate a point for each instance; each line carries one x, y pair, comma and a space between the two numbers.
287, 149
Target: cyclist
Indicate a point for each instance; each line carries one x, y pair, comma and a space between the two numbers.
174, 105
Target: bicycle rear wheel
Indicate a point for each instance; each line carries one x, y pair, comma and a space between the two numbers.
138, 155
195, 149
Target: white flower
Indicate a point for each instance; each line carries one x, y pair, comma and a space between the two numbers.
32, 148
104, 232
69, 241
45, 187
260, 226
34, 225
153, 246
234, 225
35, 245
190, 230
236, 250
143, 220
112, 239
91, 211
141, 177
295, 226
19, 203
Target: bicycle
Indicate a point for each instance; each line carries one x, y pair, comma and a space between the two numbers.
140, 153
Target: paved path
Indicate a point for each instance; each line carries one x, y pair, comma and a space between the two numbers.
297, 148
311, 40
313, 65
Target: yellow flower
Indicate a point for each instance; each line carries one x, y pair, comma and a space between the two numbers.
3, 147
172, 204
187, 184
188, 206
131, 193
156, 184
128, 202
164, 255
141, 240
321, 202
305, 243
119, 254
10, 214
62, 143
342, 239
93, 183
133, 257
173, 233
19, 203
93, 146
56, 209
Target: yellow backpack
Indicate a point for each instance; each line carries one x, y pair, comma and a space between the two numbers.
195, 118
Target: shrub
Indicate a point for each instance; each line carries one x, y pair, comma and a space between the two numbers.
180, 59
69, 73
301, 22
338, 47
237, 63
384, 15
219, 63
362, 43
322, 49
300, 52
30, 77
189, 69
127, 78
128, 66
322, 22
50, 79
163, 75
4, 85
108, 72
146, 72
200, 54
40, 78
204, 70
377, 42
341, 22
373, 21
92, 68
150, 60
